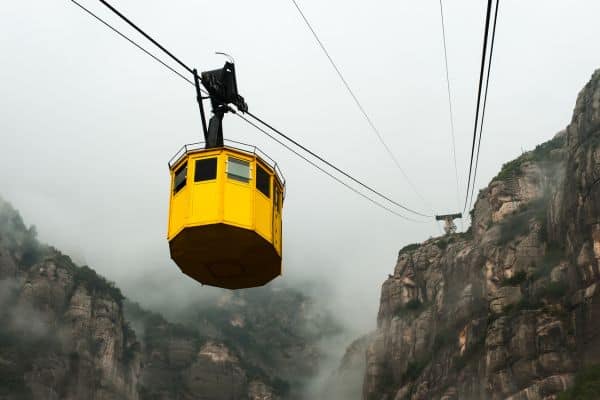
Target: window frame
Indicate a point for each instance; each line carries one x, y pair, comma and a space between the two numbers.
205, 159
179, 187
238, 178
268, 176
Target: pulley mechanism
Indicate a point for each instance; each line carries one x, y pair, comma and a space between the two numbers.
221, 86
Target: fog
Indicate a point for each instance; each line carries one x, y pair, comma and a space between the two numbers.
88, 123
18, 317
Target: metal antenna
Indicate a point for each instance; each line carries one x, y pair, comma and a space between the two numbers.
231, 60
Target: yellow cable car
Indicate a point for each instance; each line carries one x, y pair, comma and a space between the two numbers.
225, 205
225, 220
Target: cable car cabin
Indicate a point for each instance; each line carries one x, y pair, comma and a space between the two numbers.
225, 216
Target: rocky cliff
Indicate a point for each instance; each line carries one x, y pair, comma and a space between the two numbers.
345, 382
511, 308
62, 332
68, 333
256, 344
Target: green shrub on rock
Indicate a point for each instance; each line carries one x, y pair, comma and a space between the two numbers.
587, 385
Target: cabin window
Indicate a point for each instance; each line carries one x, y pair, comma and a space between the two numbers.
263, 181
180, 178
206, 169
238, 169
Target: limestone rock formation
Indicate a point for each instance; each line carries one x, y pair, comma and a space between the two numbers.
346, 381
509, 309
62, 332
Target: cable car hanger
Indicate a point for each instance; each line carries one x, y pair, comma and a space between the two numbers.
221, 85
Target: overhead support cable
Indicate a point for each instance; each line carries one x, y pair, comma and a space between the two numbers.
378, 204
487, 84
451, 113
134, 26
289, 139
481, 74
115, 30
359, 104
324, 161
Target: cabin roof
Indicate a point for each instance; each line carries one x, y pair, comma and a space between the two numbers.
233, 145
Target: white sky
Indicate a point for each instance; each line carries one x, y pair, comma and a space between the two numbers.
88, 122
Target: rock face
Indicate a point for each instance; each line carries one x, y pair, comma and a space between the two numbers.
346, 381
510, 309
62, 332
242, 348
68, 333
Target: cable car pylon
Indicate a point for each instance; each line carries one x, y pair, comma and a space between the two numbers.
449, 225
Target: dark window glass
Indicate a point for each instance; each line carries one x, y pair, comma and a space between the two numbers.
263, 181
206, 169
180, 178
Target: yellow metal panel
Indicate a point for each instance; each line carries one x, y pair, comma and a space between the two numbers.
206, 203
206, 195
221, 182
263, 215
277, 205
179, 209
238, 198
237, 204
